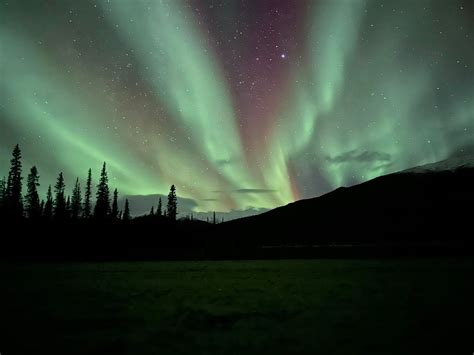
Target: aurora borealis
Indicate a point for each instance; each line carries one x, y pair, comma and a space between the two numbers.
240, 104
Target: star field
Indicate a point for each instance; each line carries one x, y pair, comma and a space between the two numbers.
240, 104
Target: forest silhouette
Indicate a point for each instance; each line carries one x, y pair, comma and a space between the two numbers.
399, 214
58, 206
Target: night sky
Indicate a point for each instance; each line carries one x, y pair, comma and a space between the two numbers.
239, 103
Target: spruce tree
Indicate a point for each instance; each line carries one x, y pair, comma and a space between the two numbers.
102, 205
159, 210
76, 201
59, 200
48, 206
126, 211
32, 200
87, 196
152, 211
13, 200
114, 213
172, 208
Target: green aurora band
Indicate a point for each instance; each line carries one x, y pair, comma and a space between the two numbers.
374, 87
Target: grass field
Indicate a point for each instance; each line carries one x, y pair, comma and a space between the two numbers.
239, 307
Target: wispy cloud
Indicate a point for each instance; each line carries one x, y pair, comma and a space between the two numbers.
360, 156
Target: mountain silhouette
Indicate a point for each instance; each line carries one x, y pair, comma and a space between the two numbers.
433, 202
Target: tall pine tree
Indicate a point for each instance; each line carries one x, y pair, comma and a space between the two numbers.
48, 206
60, 199
102, 205
76, 205
159, 210
126, 211
88, 195
32, 200
172, 208
115, 211
13, 198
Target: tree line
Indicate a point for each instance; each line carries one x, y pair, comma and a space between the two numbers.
59, 207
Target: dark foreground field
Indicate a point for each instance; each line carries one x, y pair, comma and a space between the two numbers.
248, 307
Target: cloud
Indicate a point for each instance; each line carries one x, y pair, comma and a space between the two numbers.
359, 156
381, 166
254, 191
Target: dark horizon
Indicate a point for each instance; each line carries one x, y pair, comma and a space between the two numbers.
23, 190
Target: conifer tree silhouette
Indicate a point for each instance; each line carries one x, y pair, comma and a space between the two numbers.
126, 211
102, 205
172, 207
159, 210
87, 196
152, 211
114, 213
59, 200
48, 206
13, 198
32, 200
76, 201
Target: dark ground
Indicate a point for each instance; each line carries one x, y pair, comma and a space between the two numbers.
411, 306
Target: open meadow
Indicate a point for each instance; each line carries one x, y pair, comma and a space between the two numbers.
422, 306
